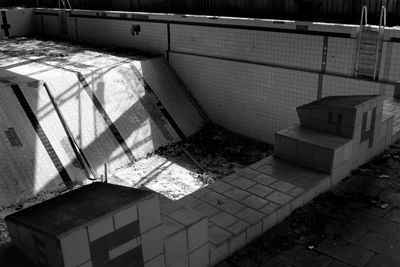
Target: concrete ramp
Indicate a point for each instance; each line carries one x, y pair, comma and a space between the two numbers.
34, 148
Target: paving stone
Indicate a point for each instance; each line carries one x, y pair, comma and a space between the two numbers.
220, 187
377, 224
231, 206
223, 219
345, 231
247, 172
175, 247
269, 208
206, 209
283, 212
264, 179
230, 178
197, 234
243, 183
260, 163
217, 235
260, 190
190, 201
214, 198
170, 226
238, 227
255, 202
381, 244
168, 206
218, 253
201, 192
294, 192
237, 194
282, 186
186, 216
381, 260
336, 263
250, 215
254, 231
237, 243
279, 198
300, 256
345, 251
393, 214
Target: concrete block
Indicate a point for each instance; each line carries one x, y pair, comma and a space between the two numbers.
297, 202
183, 262
264, 179
217, 235
309, 195
125, 217
175, 247
260, 190
75, 248
283, 212
359, 116
254, 231
288, 146
237, 194
87, 264
282, 186
246, 173
348, 150
223, 219
269, 221
305, 153
218, 253
349, 117
323, 159
206, 209
158, 261
122, 249
168, 206
152, 243
237, 243
190, 201
269, 208
238, 227
357, 133
101, 228
198, 234
220, 187
186, 216
170, 226
279, 198
250, 215
149, 214
200, 257
243, 183
255, 202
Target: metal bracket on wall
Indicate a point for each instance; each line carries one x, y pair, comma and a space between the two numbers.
135, 30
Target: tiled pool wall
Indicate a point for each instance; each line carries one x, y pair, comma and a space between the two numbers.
248, 75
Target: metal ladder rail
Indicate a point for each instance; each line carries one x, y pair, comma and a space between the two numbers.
382, 19
364, 17
66, 4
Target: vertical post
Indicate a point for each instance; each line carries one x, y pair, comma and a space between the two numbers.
105, 172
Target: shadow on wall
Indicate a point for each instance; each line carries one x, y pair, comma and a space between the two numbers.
36, 153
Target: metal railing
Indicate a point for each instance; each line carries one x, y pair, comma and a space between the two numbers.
364, 18
382, 20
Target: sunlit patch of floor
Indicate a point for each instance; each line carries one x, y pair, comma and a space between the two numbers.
160, 175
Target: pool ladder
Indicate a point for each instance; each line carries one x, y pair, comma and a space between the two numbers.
369, 48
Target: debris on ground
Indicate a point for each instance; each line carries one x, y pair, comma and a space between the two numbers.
180, 169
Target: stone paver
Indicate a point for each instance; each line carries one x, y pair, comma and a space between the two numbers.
381, 244
383, 261
346, 251
300, 256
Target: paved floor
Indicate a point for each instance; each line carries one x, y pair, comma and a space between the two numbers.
355, 224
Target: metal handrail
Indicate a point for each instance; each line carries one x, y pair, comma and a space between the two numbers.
380, 35
364, 17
